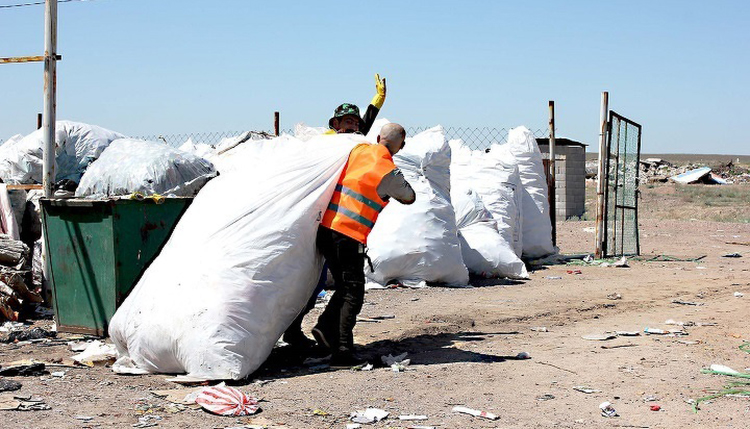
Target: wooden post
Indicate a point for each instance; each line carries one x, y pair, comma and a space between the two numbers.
276, 123
600, 179
551, 188
50, 99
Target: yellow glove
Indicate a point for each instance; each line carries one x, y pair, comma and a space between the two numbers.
379, 97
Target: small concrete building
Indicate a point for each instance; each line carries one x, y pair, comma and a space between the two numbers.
570, 176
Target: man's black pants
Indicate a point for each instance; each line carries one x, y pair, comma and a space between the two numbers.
346, 259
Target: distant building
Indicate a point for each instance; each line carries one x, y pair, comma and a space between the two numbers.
570, 176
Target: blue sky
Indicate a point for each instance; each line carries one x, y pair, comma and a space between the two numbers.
680, 68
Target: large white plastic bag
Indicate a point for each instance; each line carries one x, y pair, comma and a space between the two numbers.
490, 238
536, 224
130, 165
239, 266
485, 252
418, 243
77, 146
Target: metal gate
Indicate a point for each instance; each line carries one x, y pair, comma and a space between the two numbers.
621, 192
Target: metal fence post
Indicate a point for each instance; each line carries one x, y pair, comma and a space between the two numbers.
551, 189
600, 215
38, 121
276, 123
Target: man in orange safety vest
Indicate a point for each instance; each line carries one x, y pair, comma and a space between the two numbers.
369, 180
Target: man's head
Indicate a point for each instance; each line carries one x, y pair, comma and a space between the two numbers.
393, 137
346, 119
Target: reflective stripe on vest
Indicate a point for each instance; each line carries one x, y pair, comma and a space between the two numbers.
355, 204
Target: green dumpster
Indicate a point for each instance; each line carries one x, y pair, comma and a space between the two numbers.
97, 250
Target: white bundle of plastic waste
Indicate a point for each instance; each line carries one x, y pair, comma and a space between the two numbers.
418, 243
202, 150
490, 240
239, 266
77, 146
146, 167
536, 224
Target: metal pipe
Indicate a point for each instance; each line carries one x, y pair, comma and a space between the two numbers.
552, 191
50, 99
276, 123
600, 183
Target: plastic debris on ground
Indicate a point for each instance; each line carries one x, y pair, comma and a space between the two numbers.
30, 334
586, 390
607, 409
475, 413
597, 337
148, 421
96, 353
539, 329
655, 407
731, 255
227, 401
614, 296
739, 294
397, 363
184, 396
681, 302
523, 356
553, 278
545, 397
369, 415
12, 402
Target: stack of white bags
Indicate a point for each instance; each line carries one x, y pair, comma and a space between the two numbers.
242, 262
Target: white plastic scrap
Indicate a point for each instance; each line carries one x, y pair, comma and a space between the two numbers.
586, 390
607, 409
369, 415
724, 369
739, 294
96, 353
475, 413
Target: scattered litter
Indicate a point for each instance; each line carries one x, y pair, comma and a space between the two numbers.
319, 412
364, 367
596, 337
745, 347
677, 301
475, 413
23, 368
9, 385
688, 342
397, 363
58, 374
523, 355
28, 335
592, 230
10, 402
621, 263
226, 401
650, 399
553, 278
12, 326
586, 390
78, 346
731, 255
96, 353
412, 417
628, 333
739, 294
84, 418
370, 415
655, 331
547, 397
575, 272
655, 408
619, 346
353, 426
614, 296
147, 421
607, 409
540, 329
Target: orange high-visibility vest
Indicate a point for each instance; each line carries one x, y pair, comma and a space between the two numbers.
355, 204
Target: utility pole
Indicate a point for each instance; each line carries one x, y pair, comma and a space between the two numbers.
600, 179
50, 96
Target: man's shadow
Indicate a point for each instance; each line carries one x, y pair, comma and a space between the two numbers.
422, 349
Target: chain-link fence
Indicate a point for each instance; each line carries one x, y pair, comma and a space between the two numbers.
479, 138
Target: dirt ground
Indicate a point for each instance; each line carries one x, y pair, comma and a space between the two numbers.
463, 342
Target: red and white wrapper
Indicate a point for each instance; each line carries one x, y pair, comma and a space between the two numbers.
227, 401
